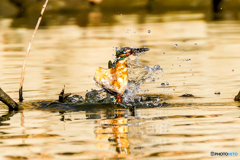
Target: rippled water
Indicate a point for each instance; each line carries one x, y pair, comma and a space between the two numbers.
205, 61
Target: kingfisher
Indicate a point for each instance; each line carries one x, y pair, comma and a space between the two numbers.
114, 80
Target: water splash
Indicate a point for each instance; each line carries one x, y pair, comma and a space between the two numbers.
138, 74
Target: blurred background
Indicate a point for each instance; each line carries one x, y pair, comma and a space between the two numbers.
196, 42
85, 13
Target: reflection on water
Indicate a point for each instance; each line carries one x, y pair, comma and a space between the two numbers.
71, 45
153, 133
115, 128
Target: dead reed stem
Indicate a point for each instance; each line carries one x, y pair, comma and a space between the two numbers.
28, 51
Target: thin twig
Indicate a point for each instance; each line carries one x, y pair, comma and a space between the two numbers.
28, 51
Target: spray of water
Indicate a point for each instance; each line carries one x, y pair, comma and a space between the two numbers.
138, 74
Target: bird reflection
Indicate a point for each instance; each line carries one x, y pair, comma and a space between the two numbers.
115, 128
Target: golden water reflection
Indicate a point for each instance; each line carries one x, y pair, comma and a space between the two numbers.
67, 50
152, 133
115, 130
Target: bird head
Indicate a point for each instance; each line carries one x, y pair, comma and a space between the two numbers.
124, 52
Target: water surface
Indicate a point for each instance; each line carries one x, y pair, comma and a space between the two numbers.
205, 61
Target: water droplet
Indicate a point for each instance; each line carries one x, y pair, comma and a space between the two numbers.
188, 60
193, 74
149, 31
142, 38
167, 83
233, 70
173, 89
153, 80
162, 84
175, 45
195, 43
120, 14
183, 50
163, 52
156, 68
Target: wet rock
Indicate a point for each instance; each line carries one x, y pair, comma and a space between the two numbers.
74, 99
97, 96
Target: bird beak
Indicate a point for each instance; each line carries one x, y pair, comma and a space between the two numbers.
136, 51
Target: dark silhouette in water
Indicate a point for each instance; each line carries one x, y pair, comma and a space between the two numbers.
6, 117
216, 7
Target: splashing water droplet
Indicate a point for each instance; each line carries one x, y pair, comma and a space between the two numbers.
156, 68
175, 45
149, 31
188, 60
153, 80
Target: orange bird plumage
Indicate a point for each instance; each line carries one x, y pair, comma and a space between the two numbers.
115, 79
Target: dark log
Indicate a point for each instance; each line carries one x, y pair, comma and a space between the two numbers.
6, 99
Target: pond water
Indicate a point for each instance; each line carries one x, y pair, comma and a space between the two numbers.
198, 56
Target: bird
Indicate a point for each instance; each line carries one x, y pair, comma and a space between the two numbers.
114, 80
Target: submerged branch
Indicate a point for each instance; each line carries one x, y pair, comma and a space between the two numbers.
28, 51
6, 99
